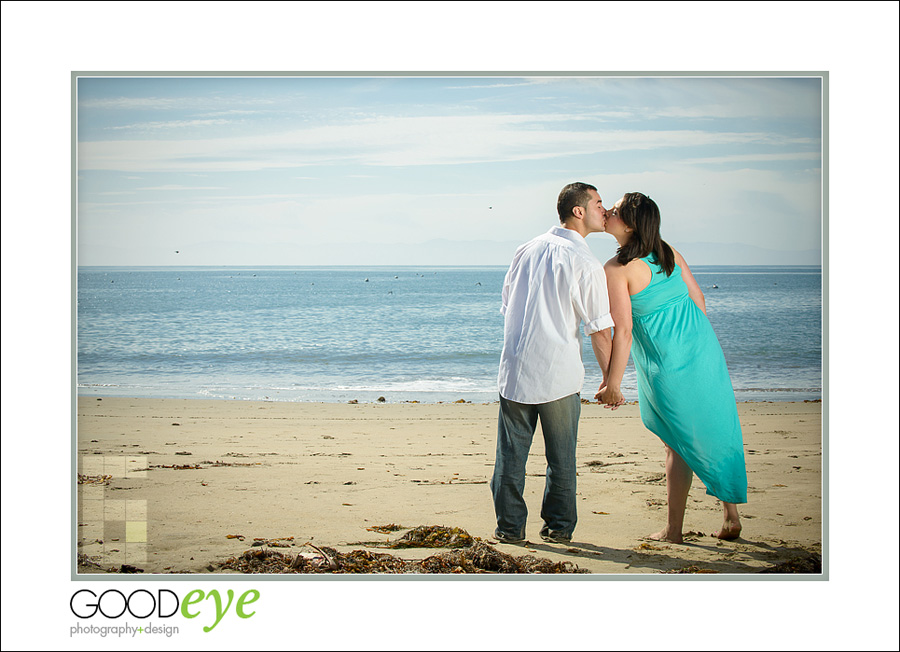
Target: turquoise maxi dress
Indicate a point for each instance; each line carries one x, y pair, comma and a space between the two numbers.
684, 390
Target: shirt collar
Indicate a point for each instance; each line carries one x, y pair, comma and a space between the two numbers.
568, 234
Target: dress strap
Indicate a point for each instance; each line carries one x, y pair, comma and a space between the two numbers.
655, 268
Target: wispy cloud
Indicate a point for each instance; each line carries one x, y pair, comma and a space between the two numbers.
143, 103
217, 199
132, 103
758, 158
511, 84
401, 141
177, 187
171, 124
212, 114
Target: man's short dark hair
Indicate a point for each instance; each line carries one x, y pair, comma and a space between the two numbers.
575, 194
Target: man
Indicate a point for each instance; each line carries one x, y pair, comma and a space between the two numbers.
553, 285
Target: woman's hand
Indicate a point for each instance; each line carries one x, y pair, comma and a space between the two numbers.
611, 396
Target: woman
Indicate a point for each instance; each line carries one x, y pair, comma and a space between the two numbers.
684, 390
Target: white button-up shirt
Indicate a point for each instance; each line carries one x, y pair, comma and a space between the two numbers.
554, 284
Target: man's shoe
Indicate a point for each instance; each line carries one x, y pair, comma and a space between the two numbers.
554, 537
508, 538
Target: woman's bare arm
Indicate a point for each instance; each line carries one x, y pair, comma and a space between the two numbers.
693, 288
620, 308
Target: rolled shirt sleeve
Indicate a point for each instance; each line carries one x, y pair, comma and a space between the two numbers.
592, 302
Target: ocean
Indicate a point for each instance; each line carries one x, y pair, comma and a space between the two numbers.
426, 334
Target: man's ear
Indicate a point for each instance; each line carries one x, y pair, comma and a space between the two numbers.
578, 211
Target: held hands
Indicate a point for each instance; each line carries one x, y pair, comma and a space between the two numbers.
611, 396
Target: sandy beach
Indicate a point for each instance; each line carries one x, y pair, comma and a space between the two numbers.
181, 486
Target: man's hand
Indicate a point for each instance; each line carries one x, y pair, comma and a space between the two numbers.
611, 396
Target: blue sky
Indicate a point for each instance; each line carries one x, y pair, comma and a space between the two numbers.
308, 170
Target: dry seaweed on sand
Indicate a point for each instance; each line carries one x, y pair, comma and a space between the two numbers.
433, 536
94, 479
87, 563
690, 570
478, 558
469, 555
386, 529
324, 560
809, 563
220, 463
261, 560
280, 542
483, 558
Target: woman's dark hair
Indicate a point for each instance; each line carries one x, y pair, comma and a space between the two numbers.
641, 213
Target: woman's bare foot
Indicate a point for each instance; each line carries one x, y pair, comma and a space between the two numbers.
730, 530
663, 535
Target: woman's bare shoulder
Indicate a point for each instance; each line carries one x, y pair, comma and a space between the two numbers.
635, 274
679, 259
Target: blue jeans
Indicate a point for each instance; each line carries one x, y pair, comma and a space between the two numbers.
515, 431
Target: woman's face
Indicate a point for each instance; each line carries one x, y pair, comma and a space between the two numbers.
614, 224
